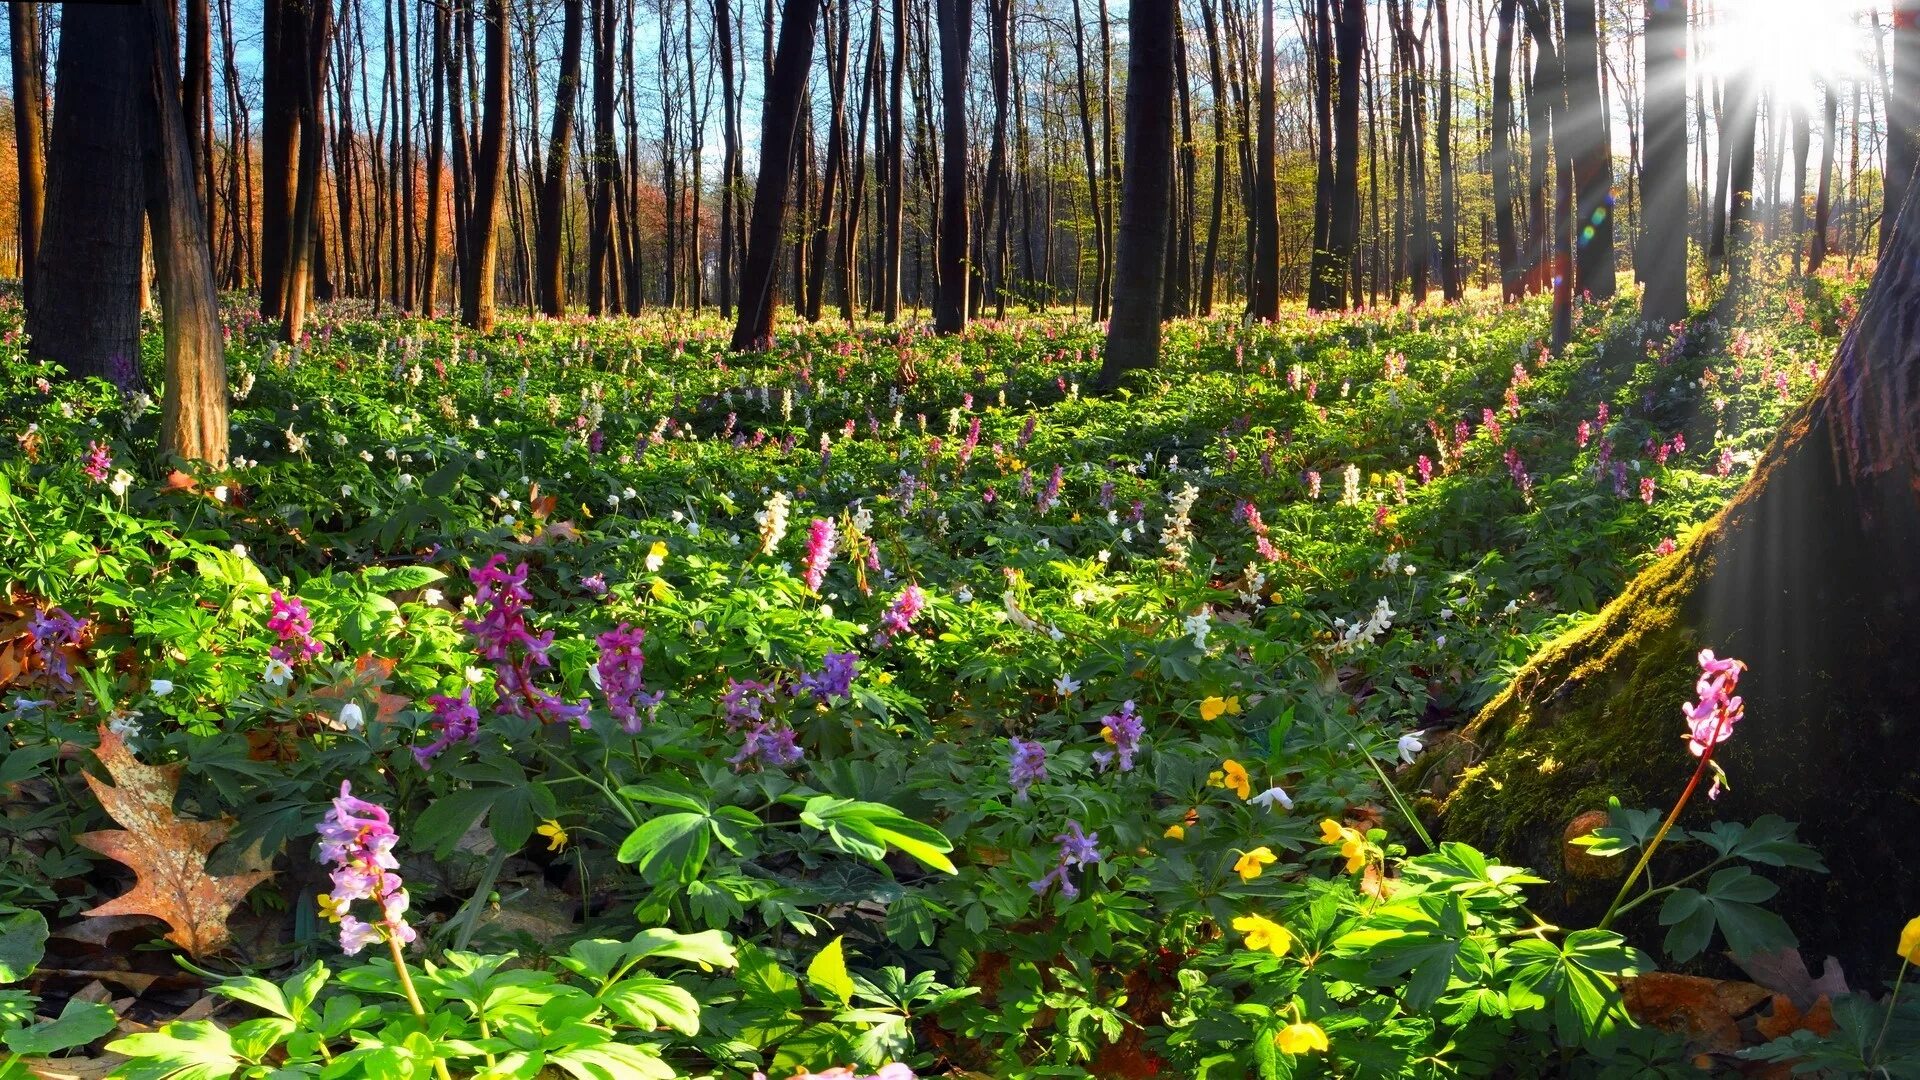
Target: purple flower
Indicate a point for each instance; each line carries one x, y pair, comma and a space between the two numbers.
769, 745
292, 622
357, 840
821, 538
1050, 496
743, 701
834, 679
455, 719
52, 630
899, 618
618, 673
1026, 767
1077, 848
1122, 730
99, 463
502, 637
595, 584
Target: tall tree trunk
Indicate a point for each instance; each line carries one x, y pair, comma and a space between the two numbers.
780, 125
29, 131
956, 40
303, 223
196, 97
1903, 111
1320, 273
1210, 260
1541, 87
1586, 137
839, 57
476, 288
1809, 575
1829, 135
553, 187
436, 157
282, 66
893, 209
1343, 234
1443, 142
1743, 114
193, 423
85, 311
1506, 242
1133, 334
600, 213
1096, 202
1662, 252
1802, 124
1264, 290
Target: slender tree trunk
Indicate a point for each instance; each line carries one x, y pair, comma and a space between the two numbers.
193, 424
1743, 101
436, 156
1506, 242
1210, 260
551, 222
1133, 335
1802, 124
780, 125
601, 159
304, 223
956, 39
476, 288
1319, 280
839, 56
1443, 141
1096, 203
284, 61
1343, 236
1829, 135
29, 131
1662, 251
1264, 291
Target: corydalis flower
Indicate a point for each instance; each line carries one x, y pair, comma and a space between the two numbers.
618, 674
1077, 848
503, 638
53, 630
356, 841
98, 464
294, 625
1712, 716
743, 701
773, 521
834, 679
769, 745
899, 618
1026, 766
1122, 731
821, 538
455, 720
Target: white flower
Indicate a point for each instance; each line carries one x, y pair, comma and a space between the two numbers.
1271, 796
963, 595
122, 480
366, 455
656, 558
474, 675
296, 444
352, 717
126, 725
220, 493
432, 597
1042, 544
593, 676
161, 687
1065, 684
239, 551
277, 673
1410, 747
1199, 626
1055, 633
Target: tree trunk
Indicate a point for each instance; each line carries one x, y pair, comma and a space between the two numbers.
553, 187
1802, 124
1210, 260
780, 126
476, 287
436, 157
956, 40
193, 425
1506, 242
1810, 575
1743, 114
1829, 135
1320, 272
85, 311
1903, 111
303, 224
1343, 237
1443, 142
600, 212
283, 62
1586, 137
1264, 290
29, 131
1133, 334
1662, 251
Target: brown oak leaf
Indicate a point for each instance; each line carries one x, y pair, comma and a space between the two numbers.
369, 680
168, 854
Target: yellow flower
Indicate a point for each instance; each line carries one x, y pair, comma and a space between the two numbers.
1233, 776
1264, 933
1301, 1038
1353, 845
885, 678
1910, 942
555, 834
330, 909
1253, 863
1175, 832
1211, 708
1106, 733
656, 556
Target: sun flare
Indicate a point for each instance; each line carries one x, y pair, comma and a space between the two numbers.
1794, 46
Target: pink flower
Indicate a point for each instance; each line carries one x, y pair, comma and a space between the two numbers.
820, 541
99, 463
1647, 487
1712, 716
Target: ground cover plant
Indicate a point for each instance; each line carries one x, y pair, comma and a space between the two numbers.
584, 699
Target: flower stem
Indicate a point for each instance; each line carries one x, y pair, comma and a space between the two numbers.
1892, 1000
1646, 854
413, 997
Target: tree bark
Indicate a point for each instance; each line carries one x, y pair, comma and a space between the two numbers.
1662, 251
1829, 135
1506, 242
780, 120
283, 62
476, 287
1443, 142
956, 41
1810, 575
29, 131
1264, 290
553, 186
1133, 334
1586, 136
436, 161
303, 223
193, 424
85, 310
1903, 111
1343, 237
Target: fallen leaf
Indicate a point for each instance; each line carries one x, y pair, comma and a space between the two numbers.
369, 680
1703, 1011
1786, 971
168, 854
1786, 1018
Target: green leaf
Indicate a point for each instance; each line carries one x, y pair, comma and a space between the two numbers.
79, 1023
23, 941
1770, 840
182, 1050
439, 483
257, 992
401, 578
671, 847
866, 828
1730, 902
827, 973
451, 815
647, 1002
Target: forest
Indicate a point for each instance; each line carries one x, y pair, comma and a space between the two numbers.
873, 539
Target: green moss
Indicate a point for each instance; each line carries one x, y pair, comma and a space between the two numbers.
1595, 713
